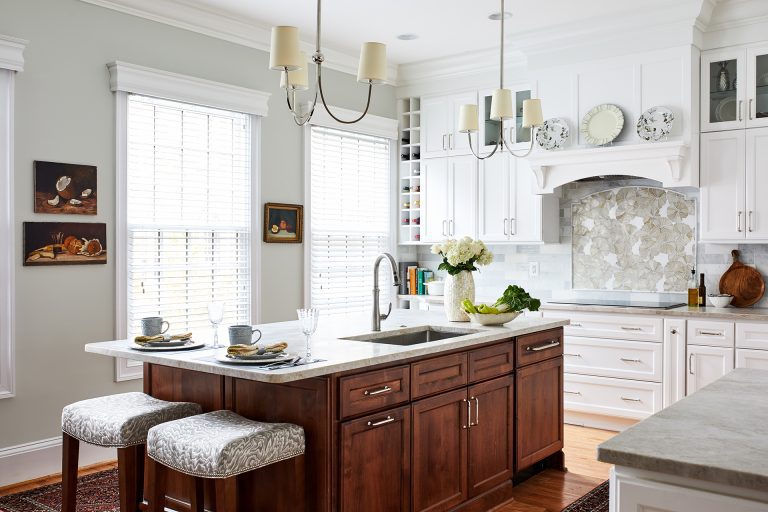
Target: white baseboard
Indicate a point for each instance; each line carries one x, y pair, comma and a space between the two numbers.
42, 458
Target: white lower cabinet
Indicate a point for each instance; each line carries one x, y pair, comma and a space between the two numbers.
707, 364
621, 398
613, 358
757, 359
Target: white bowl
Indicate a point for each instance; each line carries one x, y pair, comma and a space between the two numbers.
435, 287
501, 318
720, 301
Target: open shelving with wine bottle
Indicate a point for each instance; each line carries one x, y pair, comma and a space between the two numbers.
409, 171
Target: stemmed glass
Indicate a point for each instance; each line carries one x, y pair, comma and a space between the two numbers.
215, 316
308, 320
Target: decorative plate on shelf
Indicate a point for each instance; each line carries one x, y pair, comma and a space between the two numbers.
655, 124
156, 347
602, 124
726, 109
553, 134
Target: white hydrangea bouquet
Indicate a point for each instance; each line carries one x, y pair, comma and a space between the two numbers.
463, 254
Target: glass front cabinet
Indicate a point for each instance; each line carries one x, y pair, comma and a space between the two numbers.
513, 129
734, 88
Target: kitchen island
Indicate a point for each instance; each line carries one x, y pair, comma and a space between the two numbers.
705, 453
449, 424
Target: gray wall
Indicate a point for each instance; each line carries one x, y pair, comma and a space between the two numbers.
65, 113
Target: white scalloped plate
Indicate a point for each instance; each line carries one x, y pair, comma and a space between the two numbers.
602, 124
553, 134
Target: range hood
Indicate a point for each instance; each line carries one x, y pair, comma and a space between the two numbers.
670, 163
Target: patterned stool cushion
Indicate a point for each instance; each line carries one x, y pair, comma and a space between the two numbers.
221, 444
121, 420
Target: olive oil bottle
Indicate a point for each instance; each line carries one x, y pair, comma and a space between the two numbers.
702, 292
693, 290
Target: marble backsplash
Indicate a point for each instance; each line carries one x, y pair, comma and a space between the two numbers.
555, 280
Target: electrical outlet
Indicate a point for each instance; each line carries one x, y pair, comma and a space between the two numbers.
533, 269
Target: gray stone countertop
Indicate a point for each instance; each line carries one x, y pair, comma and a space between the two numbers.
718, 434
339, 354
706, 313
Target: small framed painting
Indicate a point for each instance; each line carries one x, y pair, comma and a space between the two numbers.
64, 243
283, 223
65, 188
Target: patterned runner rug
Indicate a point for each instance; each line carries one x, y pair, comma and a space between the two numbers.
595, 500
95, 493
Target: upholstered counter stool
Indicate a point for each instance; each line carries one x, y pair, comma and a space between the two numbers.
220, 445
121, 421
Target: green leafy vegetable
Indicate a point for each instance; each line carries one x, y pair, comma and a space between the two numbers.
516, 298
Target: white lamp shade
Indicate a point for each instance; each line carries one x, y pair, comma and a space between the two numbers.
284, 52
502, 106
532, 115
468, 118
373, 63
298, 78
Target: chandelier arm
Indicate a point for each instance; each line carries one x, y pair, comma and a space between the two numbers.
519, 155
290, 96
322, 98
496, 147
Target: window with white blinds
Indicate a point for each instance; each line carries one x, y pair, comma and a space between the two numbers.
349, 219
188, 213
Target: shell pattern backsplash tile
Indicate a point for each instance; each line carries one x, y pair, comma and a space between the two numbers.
633, 239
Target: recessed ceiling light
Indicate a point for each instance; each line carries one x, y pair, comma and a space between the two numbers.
496, 16
408, 37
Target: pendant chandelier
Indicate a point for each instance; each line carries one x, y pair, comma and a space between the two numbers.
285, 56
502, 108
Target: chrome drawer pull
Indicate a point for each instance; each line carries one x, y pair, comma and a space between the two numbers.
631, 328
571, 392
710, 333
631, 399
389, 419
385, 389
628, 360
545, 346
477, 410
572, 355
469, 413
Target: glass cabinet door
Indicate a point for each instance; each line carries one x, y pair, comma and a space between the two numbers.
513, 128
757, 95
723, 81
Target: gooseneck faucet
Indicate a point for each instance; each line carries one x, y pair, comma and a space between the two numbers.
377, 316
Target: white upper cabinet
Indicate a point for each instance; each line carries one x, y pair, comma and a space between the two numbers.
439, 120
449, 203
495, 196
757, 93
757, 184
434, 206
463, 197
514, 132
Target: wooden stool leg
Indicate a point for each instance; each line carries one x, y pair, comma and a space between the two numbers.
156, 479
300, 494
129, 485
69, 461
196, 494
140, 456
226, 494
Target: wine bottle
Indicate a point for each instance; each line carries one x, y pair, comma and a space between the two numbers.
702, 292
693, 290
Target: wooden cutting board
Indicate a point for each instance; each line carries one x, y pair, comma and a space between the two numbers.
743, 282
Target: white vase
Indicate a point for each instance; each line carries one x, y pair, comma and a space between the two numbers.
458, 288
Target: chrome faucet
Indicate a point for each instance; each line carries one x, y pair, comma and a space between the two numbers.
377, 316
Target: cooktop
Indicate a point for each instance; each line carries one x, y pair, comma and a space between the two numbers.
620, 303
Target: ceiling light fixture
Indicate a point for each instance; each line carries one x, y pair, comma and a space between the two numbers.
285, 56
408, 37
502, 108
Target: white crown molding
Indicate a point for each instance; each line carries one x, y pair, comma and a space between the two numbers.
376, 126
12, 53
736, 22
221, 25
164, 84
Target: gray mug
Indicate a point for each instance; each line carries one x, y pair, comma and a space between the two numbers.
153, 325
243, 335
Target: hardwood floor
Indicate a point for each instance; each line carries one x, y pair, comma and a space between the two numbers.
548, 491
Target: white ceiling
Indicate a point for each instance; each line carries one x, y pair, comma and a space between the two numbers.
445, 27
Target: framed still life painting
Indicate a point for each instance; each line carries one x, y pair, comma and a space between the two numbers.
64, 243
65, 188
283, 223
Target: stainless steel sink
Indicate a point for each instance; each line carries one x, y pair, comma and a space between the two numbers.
413, 335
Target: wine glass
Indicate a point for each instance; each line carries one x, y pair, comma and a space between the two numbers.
215, 316
308, 320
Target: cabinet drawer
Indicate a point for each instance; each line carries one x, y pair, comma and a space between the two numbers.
611, 397
752, 335
746, 358
374, 390
622, 327
613, 358
540, 346
711, 334
492, 361
438, 374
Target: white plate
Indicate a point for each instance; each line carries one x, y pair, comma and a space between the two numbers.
222, 358
602, 124
190, 345
726, 109
655, 124
553, 134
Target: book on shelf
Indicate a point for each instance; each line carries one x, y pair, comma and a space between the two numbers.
404, 278
412, 285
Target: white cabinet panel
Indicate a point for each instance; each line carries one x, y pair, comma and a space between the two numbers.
723, 77
752, 335
674, 360
757, 182
622, 327
637, 360
757, 87
655, 89
458, 142
608, 84
757, 359
434, 208
710, 333
707, 364
435, 116
723, 182
611, 397
463, 195
494, 205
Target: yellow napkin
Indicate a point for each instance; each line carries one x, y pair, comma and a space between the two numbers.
250, 350
160, 337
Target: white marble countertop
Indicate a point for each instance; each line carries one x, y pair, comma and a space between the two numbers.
718, 434
708, 313
339, 354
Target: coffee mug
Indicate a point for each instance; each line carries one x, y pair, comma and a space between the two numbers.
153, 325
242, 335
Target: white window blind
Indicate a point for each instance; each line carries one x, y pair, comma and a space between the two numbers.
349, 219
188, 213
